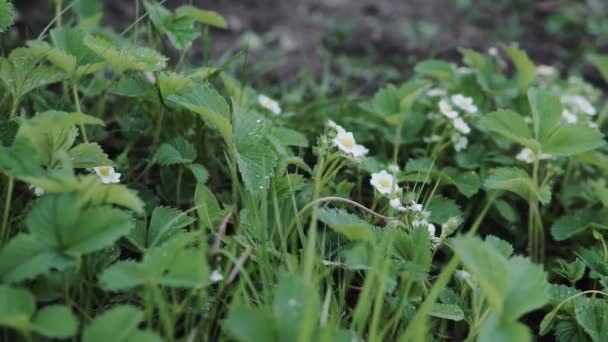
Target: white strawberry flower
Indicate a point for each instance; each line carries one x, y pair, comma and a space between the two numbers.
345, 141
446, 109
395, 203
431, 139
569, 116
335, 126
545, 70
436, 92
270, 104
415, 207
528, 156
393, 168
216, 276
38, 191
383, 182
464, 103
579, 104
107, 174
493, 51
460, 142
461, 126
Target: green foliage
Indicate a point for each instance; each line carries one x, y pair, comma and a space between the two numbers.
347, 224
7, 14
127, 317
517, 181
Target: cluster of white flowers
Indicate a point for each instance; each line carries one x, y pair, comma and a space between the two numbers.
528, 156
578, 104
447, 108
345, 141
107, 174
269, 104
545, 70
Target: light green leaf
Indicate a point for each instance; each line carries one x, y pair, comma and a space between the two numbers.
573, 139
435, 68
546, 114
347, 224
25, 257
211, 106
569, 225
176, 151
208, 208
55, 321
488, 266
510, 125
126, 317
7, 15
503, 247
528, 288
123, 56
442, 209
88, 155
200, 173
517, 181
210, 18
164, 223
291, 296
452, 312
171, 83
16, 307
526, 72
246, 324
591, 315
254, 153
494, 330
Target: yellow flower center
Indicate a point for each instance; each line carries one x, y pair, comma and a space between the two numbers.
385, 182
104, 170
348, 142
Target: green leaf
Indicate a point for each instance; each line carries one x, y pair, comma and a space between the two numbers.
200, 173
16, 307
25, 257
254, 153
203, 100
439, 69
56, 219
503, 247
452, 312
290, 137
208, 208
347, 224
442, 209
176, 151
488, 266
526, 71
291, 297
573, 139
127, 317
495, 330
178, 263
517, 181
467, 182
569, 225
69, 52
166, 222
510, 125
601, 63
7, 15
171, 83
546, 114
88, 155
22, 72
123, 56
246, 324
210, 18
591, 315
528, 288
55, 321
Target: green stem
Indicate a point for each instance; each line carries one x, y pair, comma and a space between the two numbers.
178, 190
7, 208
77, 104
443, 279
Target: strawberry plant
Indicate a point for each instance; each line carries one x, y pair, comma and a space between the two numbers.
148, 197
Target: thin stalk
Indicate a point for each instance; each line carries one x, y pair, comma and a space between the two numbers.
77, 104
7, 208
178, 185
421, 317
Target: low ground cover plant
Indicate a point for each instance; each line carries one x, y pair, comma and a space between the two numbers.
145, 198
